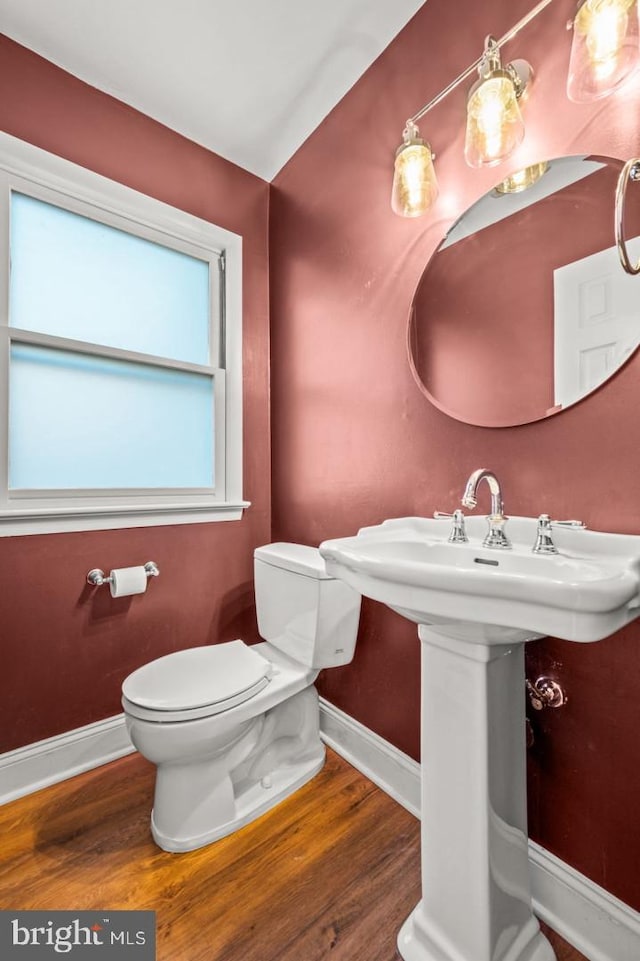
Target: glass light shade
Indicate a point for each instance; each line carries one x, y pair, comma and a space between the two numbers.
494, 122
605, 49
522, 179
415, 187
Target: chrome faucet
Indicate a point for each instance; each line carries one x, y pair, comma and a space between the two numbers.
496, 537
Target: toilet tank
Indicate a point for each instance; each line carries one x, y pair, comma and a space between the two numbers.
310, 616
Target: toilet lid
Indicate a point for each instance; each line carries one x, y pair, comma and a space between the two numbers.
198, 677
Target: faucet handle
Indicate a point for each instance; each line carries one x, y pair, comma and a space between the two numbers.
458, 534
544, 541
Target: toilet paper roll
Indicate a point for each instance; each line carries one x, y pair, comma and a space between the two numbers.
128, 580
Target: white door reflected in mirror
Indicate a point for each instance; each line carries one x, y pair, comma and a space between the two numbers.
596, 322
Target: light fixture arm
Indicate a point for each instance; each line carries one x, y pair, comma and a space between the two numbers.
509, 35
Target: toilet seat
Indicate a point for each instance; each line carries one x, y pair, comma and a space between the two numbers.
197, 682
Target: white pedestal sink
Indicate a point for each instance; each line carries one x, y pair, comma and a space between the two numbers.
475, 609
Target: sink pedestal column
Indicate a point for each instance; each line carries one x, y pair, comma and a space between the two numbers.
476, 900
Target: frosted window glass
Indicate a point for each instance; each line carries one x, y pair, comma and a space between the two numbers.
74, 277
82, 422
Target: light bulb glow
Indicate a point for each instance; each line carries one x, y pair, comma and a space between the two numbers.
604, 25
494, 122
605, 48
522, 179
415, 187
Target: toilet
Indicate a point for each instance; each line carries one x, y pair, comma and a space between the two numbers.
233, 728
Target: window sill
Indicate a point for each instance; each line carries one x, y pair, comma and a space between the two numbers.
16, 523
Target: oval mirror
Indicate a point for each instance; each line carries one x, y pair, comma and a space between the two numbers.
524, 308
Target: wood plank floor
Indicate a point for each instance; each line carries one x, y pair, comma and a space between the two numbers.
331, 872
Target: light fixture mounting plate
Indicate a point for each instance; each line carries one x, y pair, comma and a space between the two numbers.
522, 74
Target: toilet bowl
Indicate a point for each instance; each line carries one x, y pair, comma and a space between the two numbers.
233, 728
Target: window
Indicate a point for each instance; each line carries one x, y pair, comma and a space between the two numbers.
120, 354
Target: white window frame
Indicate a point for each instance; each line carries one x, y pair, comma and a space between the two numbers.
29, 170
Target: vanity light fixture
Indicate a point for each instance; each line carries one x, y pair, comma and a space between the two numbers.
494, 122
494, 125
605, 49
522, 179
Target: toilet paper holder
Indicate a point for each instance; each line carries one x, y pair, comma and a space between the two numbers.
97, 577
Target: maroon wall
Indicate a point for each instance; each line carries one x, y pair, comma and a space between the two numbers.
355, 441
66, 648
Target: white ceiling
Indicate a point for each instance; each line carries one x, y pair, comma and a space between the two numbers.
249, 79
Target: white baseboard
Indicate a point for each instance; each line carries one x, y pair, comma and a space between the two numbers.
38, 765
595, 922
395, 773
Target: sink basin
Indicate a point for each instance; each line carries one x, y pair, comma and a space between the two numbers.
584, 593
